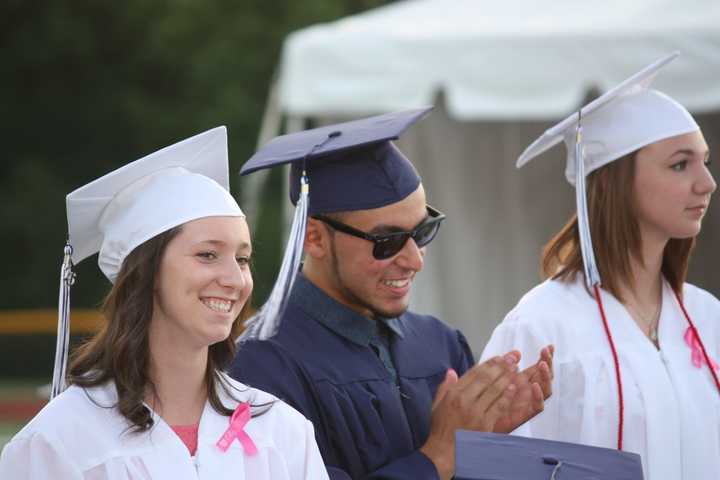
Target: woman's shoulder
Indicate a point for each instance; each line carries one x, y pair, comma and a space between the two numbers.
237, 392
693, 293
72, 407
702, 306
72, 421
272, 418
550, 300
261, 401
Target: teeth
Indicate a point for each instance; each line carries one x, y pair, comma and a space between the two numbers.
218, 305
396, 283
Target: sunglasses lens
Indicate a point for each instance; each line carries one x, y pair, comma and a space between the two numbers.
389, 246
426, 233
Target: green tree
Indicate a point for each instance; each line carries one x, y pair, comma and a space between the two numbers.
87, 86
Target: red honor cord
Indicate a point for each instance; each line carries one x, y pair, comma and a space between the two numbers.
621, 402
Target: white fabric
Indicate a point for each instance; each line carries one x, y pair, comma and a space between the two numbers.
520, 59
672, 408
122, 209
633, 122
266, 322
622, 120
155, 204
73, 438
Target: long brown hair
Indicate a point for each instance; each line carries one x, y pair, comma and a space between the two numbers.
120, 350
615, 234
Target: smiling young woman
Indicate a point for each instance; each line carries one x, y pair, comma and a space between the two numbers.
147, 397
163, 307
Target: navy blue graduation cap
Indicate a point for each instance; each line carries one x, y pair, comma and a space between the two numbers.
351, 166
492, 456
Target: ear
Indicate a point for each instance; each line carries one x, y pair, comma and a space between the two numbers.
317, 239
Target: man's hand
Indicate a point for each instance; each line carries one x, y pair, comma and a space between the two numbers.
533, 386
473, 402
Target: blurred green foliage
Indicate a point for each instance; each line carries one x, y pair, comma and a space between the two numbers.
87, 86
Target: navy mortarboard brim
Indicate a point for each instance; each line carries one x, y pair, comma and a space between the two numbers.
491, 456
332, 139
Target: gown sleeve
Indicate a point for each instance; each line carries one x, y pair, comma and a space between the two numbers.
412, 466
36, 458
314, 468
265, 366
466, 359
524, 332
416, 464
518, 331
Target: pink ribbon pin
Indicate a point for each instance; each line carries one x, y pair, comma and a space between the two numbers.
240, 417
697, 355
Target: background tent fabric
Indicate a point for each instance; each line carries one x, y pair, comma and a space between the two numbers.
499, 73
498, 60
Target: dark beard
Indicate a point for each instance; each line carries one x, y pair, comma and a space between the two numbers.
350, 295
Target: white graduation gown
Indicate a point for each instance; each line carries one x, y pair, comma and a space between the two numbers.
672, 408
75, 437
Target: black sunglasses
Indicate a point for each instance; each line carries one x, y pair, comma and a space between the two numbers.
390, 244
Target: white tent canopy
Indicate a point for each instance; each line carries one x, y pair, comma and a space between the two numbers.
506, 71
499, 60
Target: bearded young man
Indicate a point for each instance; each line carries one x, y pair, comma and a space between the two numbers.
385, 388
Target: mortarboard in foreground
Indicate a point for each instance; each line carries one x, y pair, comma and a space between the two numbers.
492, 456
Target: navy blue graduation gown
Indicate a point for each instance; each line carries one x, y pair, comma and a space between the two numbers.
366, 424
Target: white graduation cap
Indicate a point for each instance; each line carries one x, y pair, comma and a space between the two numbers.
623, 120
123, 209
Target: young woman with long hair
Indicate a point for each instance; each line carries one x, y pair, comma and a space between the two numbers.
635, 345
146, 396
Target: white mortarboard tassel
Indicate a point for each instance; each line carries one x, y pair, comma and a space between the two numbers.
118, 212
67, 278
592, 276
265, 323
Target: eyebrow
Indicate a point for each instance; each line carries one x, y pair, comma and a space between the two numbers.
687, 151
220, 243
